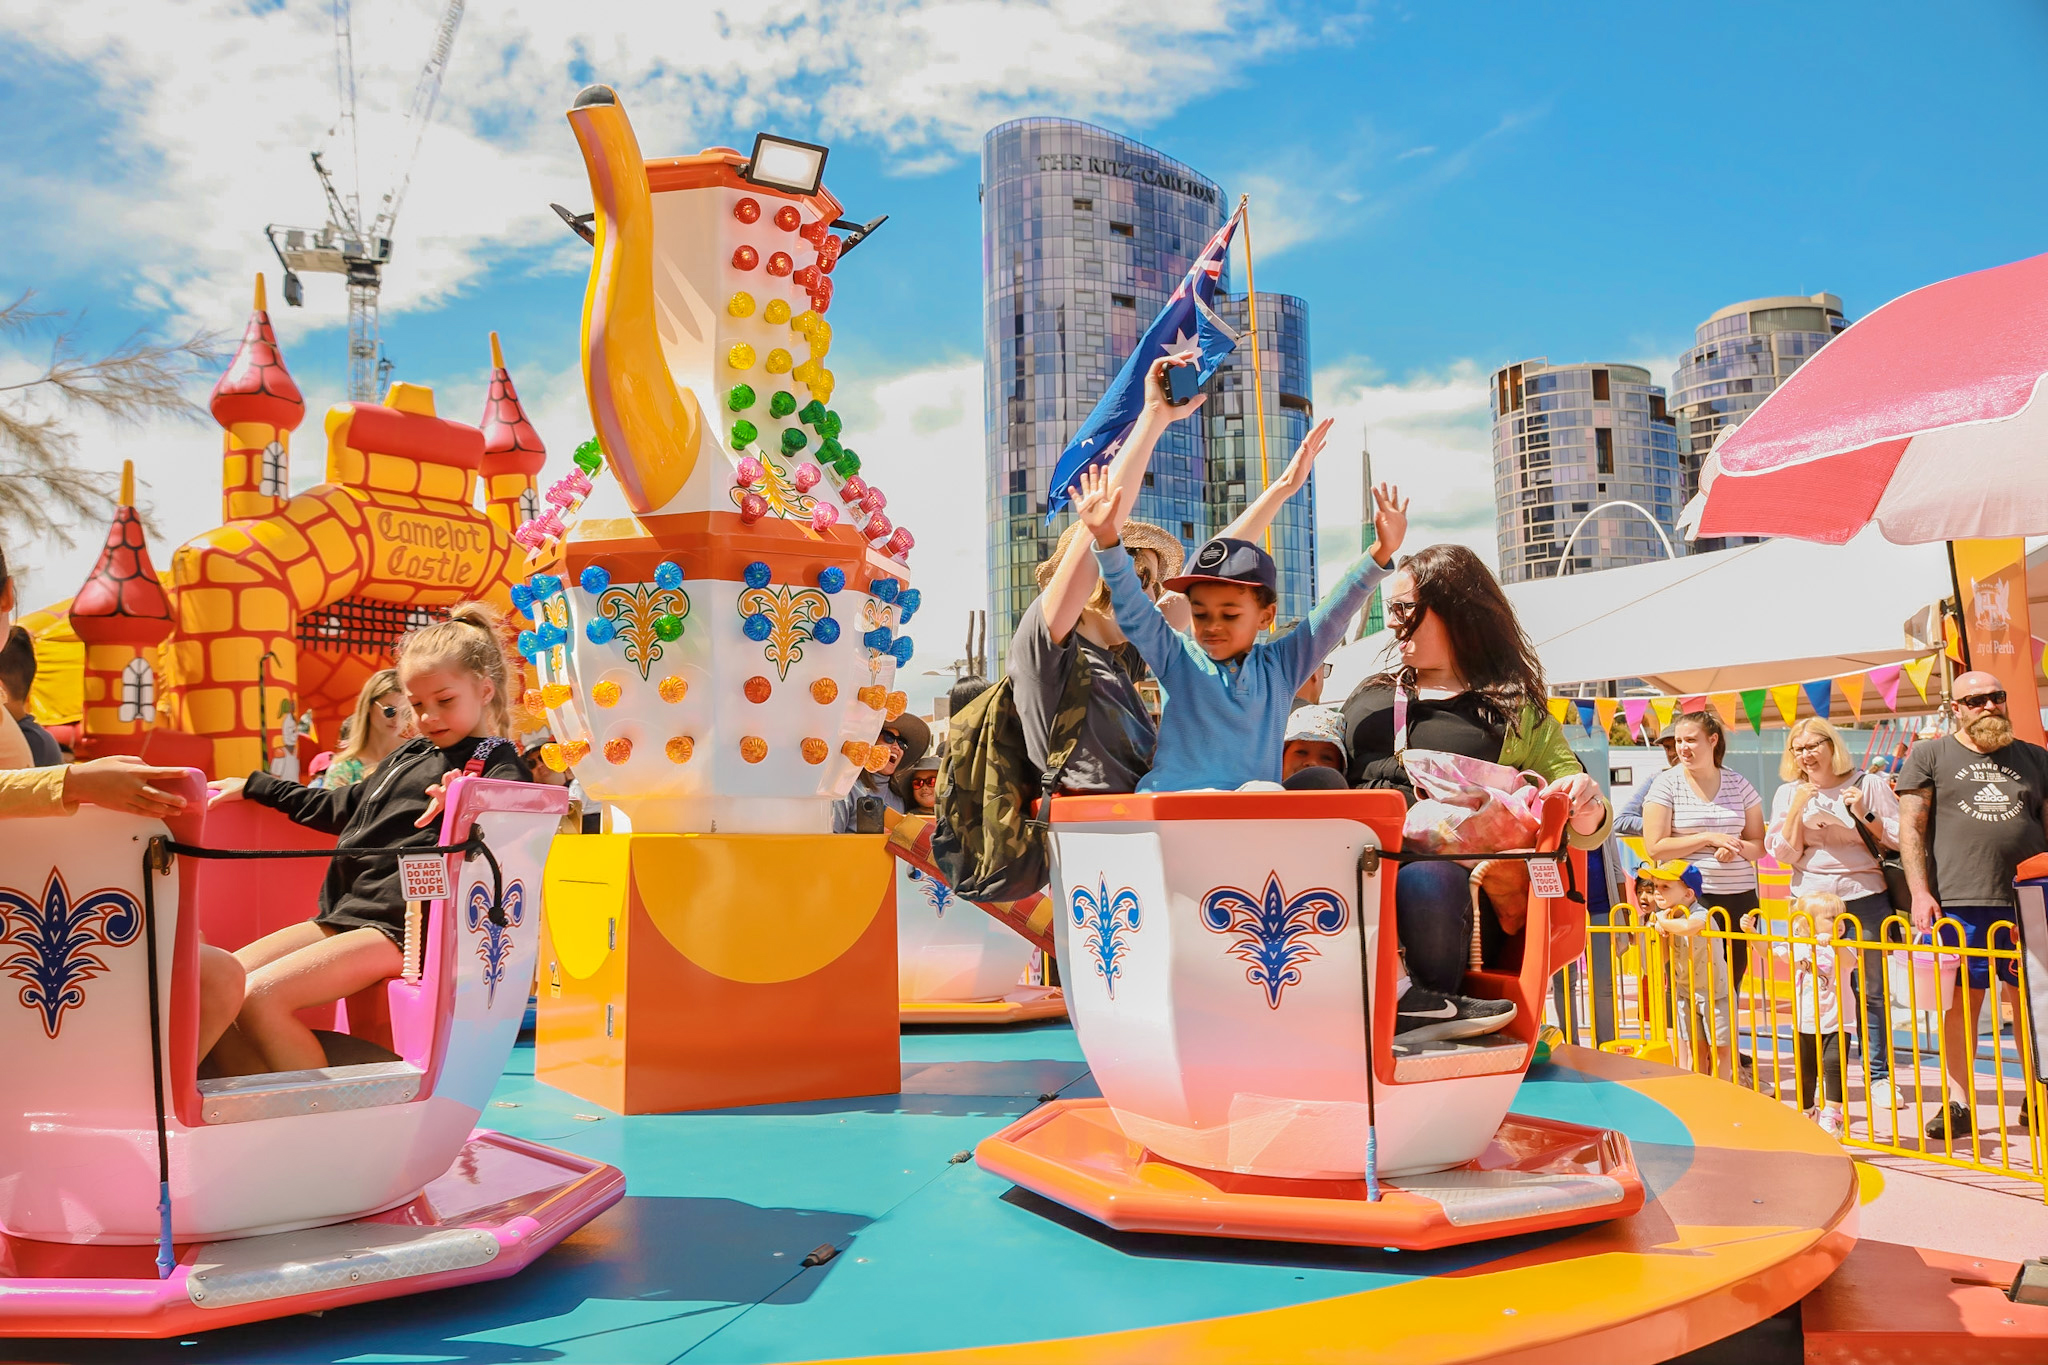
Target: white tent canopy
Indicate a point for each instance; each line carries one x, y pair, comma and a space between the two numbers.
1754, 616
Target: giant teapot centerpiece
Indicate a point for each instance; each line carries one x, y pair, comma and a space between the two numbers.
723, 659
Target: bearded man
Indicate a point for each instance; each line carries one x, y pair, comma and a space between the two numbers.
1971, 809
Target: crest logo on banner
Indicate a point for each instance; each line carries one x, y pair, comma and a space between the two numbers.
1271, 931
52, 946
1107, 918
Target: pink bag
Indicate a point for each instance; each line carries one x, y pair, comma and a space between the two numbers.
1465, 805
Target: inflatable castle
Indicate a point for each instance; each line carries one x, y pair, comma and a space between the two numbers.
290, 604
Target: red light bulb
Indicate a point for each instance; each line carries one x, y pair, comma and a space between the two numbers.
778, 264
746, 258
747, 210
787, 218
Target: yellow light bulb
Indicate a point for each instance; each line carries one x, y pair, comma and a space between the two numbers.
741, 305
805, 373
778, 360
776, 312
741, 356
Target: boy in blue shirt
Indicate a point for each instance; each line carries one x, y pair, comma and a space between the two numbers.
1227, 692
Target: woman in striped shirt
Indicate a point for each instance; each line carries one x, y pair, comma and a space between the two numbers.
1713, 818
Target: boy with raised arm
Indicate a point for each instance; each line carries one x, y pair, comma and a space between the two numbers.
1227, 692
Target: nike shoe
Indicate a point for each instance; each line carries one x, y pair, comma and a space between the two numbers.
1425, 1016
1950, 1122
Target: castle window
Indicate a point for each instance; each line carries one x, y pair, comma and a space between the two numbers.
529, 504
138, 691
276, 478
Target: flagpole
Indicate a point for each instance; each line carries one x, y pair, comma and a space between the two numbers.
1244, 204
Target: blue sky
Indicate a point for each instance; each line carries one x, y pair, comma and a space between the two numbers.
1451, 186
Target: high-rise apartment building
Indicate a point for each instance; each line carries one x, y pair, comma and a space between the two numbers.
1585, 455
1084, 235
1739, 356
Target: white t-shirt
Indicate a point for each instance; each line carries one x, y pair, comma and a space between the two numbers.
1725, 814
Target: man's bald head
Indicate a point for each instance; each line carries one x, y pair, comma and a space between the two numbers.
1975, 683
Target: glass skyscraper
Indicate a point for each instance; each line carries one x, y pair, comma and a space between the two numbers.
1084, 235
1738, 357
1569, 440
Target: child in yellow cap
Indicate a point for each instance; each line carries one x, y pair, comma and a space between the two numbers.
1704, 1001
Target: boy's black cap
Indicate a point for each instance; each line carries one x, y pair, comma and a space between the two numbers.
1226, 559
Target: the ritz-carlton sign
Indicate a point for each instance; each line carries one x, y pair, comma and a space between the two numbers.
1128, 170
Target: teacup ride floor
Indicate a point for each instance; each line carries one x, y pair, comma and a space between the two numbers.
1020, 1005
863, 1228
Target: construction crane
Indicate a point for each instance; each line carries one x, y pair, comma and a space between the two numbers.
348, 246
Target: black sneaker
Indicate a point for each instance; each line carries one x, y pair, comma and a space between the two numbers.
1424, 1016
1952, 1122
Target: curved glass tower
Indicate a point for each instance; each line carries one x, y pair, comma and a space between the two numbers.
1084, 235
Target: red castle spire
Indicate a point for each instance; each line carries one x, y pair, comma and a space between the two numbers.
122, 603
511, 445
257, 387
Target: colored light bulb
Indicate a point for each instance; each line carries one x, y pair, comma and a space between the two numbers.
902, 650
744, 433
530, 699
878, 640
740, 397
756, 574
848, 463
757, 689
878, 527
793, 440
814, 231
776, 312
854, 489
668, 574
747, 210
575, 751
806, 372
672, 688
740, 305
545, 585
551, 754
561, 495
828, 449
600, 631
823, 517
885, 589
757, 627
824, 691
753, 507
669, 627
874, 500
741, 356
856, 750
680, 748
594, 579
910, 599
829, 251
811, 413
872, 697
746, 258
778, 264
825, 632
894, 705
529, 535
781, 403
529, 644
806, 477
553, 695
605, 694
815, 751
829, 424
878, 758
805, 277
831, 579
778, 362
901, 543
822, 386
590, 454
753, 748
618, 750
522, 598
748, 472
787, 218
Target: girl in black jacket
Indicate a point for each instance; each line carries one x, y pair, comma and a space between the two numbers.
459, 682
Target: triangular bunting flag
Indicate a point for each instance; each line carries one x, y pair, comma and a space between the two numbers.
1605, 707
1727, 703
1586, 714
1821, 693
1952, 640
1663, 706
1560, 709
1886, 680
1852, 692
2039, 649
1918, 670
1632, 709
1785, 697
1753, 707
1692, 704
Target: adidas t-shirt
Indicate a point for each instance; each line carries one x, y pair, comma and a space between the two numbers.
1983, 815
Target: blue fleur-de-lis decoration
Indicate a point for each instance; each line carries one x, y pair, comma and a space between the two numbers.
1272, 931
937, 894
495, 945
1107, 919
53, 942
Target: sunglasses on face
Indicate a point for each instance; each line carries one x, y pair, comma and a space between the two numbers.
1401, 613
1982, 700
390, 712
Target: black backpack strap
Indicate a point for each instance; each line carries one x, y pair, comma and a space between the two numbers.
1075, 691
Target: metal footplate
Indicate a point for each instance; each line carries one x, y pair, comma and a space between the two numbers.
285, 1264
1471, 1198
321, 1090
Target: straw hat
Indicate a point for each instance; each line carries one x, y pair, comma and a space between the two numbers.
1137, 535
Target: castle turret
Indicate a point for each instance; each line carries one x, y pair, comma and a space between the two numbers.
259, 406
122, 615
513, 453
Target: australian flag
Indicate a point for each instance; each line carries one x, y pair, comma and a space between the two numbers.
1188, 320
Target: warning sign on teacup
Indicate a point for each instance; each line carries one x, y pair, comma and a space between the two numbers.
1545, 879
424, 876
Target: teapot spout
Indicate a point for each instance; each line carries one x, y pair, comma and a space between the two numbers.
650, 429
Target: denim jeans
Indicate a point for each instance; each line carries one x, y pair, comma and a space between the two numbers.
1869, 914
1433, 912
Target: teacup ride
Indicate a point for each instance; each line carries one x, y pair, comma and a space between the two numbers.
1218, 972
958, 961
142, 1201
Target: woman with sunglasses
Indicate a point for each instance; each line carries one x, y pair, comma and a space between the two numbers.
1473, 687
382, 721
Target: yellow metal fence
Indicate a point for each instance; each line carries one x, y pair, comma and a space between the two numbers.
1645, 991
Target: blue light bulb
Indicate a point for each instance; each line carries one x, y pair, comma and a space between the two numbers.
668, 574
600, 631
878, 640
902, 650
826, 632
757, 627
757, 574
594, 580
831, 580
907, 603
522, 598
530, 646
885, 588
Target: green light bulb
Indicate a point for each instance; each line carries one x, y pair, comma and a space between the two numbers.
744, 433
740, 397
782, 404
793, 440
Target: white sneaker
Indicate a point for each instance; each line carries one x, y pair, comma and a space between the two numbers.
1881, 1097
1831, 1122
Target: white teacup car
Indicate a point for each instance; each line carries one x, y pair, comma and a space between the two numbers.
1212, 948
139, 1200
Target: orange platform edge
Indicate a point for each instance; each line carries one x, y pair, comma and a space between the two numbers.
1901, 1305
1073, 1152
1023, 1005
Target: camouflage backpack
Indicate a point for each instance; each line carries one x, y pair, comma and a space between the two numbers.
986, 839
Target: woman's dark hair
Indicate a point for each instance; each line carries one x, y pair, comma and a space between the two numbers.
1710, 726
963, 692
1493, 654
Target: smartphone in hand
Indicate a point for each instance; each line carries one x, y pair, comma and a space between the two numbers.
1183, 382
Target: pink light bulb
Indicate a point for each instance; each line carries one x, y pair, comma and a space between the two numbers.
806, 477
824, 516
902, 542
878, 526
874, 500
747, 472
854, 489
753, 507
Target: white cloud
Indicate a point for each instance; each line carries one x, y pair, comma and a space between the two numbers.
216, 106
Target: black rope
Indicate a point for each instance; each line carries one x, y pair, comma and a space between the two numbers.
469, 848
1561, 856
154, 857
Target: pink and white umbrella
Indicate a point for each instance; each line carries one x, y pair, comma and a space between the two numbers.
1929, 416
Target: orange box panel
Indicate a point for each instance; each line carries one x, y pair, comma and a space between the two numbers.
1899, 1305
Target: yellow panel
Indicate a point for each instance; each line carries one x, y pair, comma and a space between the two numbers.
220, 569
226, 538
234, 656
442, 481
346, 508
279, 538
337, 552
265, 609
202, 611
211, 711
761, 908
393, 472
586, 895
